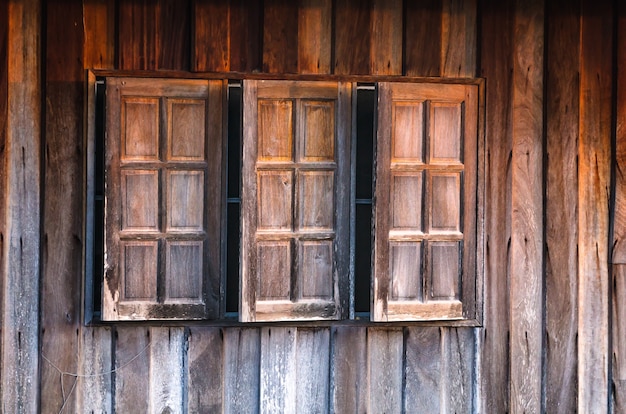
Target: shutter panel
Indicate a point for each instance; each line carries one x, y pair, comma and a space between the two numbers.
426, 239
295, 200
164, 199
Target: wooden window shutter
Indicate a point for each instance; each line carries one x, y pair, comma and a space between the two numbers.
164, 199
295, 200
426, 249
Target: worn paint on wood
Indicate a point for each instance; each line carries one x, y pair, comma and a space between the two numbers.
594, 158
278, 370
167, 374
312, 361
21, 254
561, 219
94, 387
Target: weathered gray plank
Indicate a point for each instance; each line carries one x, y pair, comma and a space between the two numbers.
619, 339
458, 370
459, 38
278, 370
563, 46
594, 160
526, 282
94, 387
385, 358
349, 370
166, 370
21, 256
242, 357
313, 368
423, 366
206, 370
132, 365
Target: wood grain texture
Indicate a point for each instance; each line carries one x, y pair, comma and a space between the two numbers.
526, 281
278, 374
618, 353
242, 364
385, 370
246, 37
132, 364
280, 36
352, 45
594, 161
204, 389
21, 254
137, 36
167, 374
174, 34
211, 35
561, 214
4, 106
99, 33
458, 370
422, 37
313, 370
423, 370
62, 232
314, 36
386, 37
458, 38
94, 388
349, 373
496, 66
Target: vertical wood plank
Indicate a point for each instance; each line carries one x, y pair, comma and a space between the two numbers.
206, 370
278, 370
457, 380
496, 65
349, 370
562, 64
4, 105
99, 26
422, 37
314, 36
132, 364
352, 44
21, 253
423, 370
618, 397
458, 38
242, 360
166, 370
211, 34
386, 33
313, 370
385, 369
174, 34
594, 158
246, 19
137, 35
280, 36
526, 282
95, 387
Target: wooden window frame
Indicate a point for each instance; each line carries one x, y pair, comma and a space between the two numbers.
471, 316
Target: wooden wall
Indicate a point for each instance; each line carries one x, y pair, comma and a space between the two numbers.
554, 319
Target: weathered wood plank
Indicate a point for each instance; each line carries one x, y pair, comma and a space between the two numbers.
99, 26
313, 368
349, 371
352, 44
95, 386
386, 37
211, 34
314, 36
385, 369
278, 370
457, 381
422, 37
62, 232
280, 36
423, 370
242, 361
246, 18
526, 281
21, 256
563, 45
206, 370
132, 365
137, 35
4, 105
618, 388
174, 34
496, 65
166, 377
594, 160
458, 38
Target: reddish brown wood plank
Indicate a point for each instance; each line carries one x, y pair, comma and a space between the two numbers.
174, 34
137, 35
458, 38
99, 25
22, 256
314, 36
280, 36
352, 42
211, 34
526, 283
246, 19
496, 66
63, 224
561, 213
386, 37
422, 37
